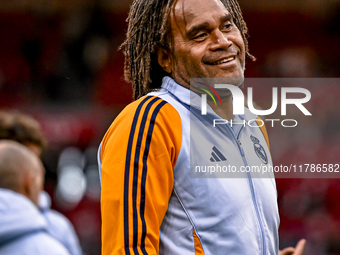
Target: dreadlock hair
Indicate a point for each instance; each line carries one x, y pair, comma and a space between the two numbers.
149, 28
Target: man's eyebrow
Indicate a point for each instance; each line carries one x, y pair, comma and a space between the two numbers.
226, 17
205, 25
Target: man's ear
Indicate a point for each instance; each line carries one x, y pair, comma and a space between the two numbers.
164, 59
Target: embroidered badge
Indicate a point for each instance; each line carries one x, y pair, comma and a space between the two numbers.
259, 150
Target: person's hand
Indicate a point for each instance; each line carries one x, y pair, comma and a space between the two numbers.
298, 250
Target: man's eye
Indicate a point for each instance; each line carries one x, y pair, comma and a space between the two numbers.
228, 26
200, 36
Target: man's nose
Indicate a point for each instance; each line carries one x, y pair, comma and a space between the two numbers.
220, 41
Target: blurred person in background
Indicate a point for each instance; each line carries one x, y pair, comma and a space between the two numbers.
24, 229
26, 130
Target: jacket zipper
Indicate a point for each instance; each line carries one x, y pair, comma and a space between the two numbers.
250, 181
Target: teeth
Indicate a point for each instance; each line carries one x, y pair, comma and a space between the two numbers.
225, 60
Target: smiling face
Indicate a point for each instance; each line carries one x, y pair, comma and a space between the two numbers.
206, 43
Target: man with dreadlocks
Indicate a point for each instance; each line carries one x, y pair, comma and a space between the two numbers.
150, 204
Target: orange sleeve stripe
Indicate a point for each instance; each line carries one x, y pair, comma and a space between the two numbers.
260, 123
136, 170
198, 244
133, 210
164, 149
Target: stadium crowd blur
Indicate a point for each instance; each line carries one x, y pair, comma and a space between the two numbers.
59, 63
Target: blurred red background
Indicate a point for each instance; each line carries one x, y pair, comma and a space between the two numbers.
59, 63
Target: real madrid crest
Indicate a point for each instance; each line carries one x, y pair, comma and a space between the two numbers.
259, 150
